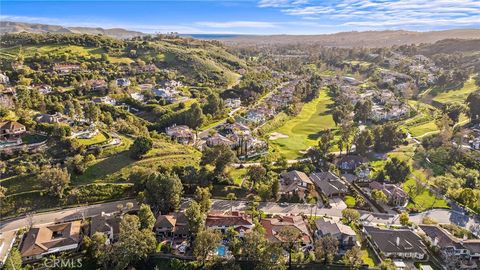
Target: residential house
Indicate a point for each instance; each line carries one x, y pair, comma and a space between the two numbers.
217, 139
172, 225
456, 252
123, 82
330, 184
6, 101
6, 243
255, 116
11, 130
181, 133
138, 97
45, 89
166, 93
295, 182
105, 100
273, 227
50, 239
238, 221
233, 103
66, 68
395, 194
4, 79
351, 80
51, 118
97, 85
345, 235
351, 162
398, 243
107, 224
170, 84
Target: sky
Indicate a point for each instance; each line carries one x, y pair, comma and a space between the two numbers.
262, 17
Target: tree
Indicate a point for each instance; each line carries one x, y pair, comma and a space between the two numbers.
290, 237
379, 196
454, 110
55, 180
387, 264
473, 102
98, 249
397, 170
220, 156
203, 198
404, 219
163, 192
146, 217
256, 174
134, 244
363, 141
195, 216
350, 215
14, 260
205, 242
325, 248
363, 109
353, 258
194, 117
214, 104
140, 147
387, 137
92, 112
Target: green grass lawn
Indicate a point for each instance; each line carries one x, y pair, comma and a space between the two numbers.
116, 168
29, 51
422, 198
457, 95
237, 175
303, 129
422, 129
99, 138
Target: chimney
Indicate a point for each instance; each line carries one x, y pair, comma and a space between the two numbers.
398, 241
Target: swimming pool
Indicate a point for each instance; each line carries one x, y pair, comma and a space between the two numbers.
221, 250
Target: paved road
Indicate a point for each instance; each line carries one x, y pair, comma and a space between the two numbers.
440, 215
62, 215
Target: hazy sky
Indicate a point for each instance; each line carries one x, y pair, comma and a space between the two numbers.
250, 16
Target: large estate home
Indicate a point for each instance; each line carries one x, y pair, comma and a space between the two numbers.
457, 253
399, 243
345, 235
395, 195
181, 133
49, 239
330, 184
172, 225
274, 226
10, 130
238, 221
295, 182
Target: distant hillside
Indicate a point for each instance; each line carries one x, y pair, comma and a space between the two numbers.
368, 39
18, 27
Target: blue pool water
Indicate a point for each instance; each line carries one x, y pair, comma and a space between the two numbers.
221, 250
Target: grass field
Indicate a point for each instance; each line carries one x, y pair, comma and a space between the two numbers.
237, 174
303, 129
457, 95
422, 198
99, 138
116, 168
423, 122
29, 51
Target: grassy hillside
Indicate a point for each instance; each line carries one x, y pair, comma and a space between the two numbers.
459, 94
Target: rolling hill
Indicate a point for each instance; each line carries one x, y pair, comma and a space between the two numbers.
358, 39
18, 27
